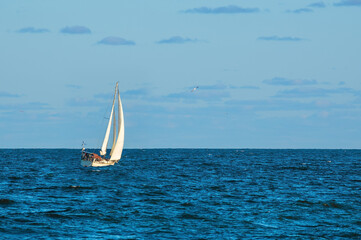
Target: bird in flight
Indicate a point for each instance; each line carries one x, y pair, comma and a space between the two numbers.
194, 89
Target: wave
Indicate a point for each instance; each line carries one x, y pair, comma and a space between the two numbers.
57, 215
265, 225
191, 216
5, 201
187, 204
328, 204
288, 217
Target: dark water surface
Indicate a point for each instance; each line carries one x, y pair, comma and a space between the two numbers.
182, 194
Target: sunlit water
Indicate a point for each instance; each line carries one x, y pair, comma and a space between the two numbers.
182, 194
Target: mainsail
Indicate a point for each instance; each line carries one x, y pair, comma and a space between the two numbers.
118, 136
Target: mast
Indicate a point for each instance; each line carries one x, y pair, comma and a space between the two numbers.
103, 150
114, 123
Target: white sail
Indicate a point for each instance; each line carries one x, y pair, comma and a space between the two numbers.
103, 150
118, 148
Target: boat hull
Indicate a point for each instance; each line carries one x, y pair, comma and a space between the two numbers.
97, 163
94, 160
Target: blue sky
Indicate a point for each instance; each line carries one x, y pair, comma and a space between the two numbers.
270, 74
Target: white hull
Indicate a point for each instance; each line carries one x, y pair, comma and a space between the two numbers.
102, 163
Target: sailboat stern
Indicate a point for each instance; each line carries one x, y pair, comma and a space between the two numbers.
86, 163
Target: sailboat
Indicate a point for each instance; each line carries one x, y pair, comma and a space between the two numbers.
89, 159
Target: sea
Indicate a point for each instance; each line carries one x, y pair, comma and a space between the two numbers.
182, 194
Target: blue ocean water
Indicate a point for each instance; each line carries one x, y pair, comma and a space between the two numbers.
182, 194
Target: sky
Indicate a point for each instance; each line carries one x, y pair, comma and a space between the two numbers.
270, 74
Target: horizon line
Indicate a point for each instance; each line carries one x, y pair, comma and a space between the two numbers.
186, 148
